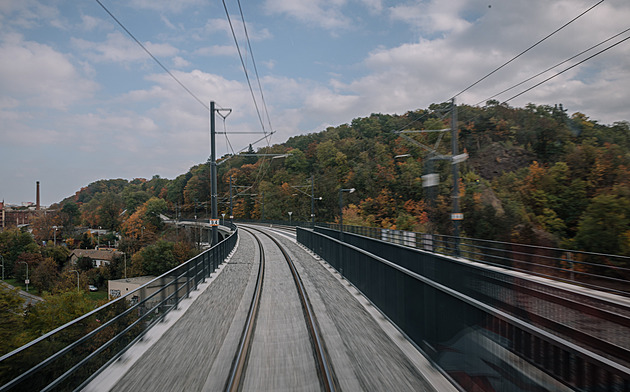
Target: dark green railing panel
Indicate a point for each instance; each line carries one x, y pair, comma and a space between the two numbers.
69, 356
472, 342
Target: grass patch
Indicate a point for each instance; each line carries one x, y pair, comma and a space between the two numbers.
20, 285
97, 296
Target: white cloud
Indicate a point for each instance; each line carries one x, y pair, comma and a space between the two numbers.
165, 5
180, 62
270, 64
221, 25
217, 50
124, 131
327, 14
90, 23
28, 14
374, 6
433, 16
120, 49
36, 74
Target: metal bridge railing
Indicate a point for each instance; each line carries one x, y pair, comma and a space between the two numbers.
68, 357
431, 298
594, 270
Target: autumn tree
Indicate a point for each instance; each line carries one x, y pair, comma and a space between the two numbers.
45, 275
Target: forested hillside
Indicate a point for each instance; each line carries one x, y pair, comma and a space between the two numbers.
535, 175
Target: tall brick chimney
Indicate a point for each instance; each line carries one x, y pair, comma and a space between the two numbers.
38, 205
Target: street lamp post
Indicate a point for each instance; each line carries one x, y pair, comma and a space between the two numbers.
341, 224
290, 213
77, 278
2, 258
26, 281
55, 236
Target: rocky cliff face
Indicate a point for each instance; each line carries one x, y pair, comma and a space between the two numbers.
496, 159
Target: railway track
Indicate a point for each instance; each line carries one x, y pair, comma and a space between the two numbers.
601, 325
254, 330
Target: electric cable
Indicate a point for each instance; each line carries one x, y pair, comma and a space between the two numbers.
552, 67
251, 51
267, 136
152, 56
566, 69
240, 55
527, 50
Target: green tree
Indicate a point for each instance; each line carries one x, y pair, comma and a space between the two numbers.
11, 319
85, 263
133, 198
57, 310
58, 253
116, 268
154, 207
109, 211
158, 258
604, 225
69, 215
45, 275
13, 243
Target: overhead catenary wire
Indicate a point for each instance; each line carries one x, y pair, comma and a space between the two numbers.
516, 57
251, 51
552, 67
152, 56
240, 55
527, 50
567, 69
253, 95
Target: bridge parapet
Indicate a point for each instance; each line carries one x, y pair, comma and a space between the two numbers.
70, 356
451, 310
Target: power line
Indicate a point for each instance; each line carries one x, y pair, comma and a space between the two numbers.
552, 67
240, 55
152, 56
262, 166
262, 96
527, 50
567, 69
510, 61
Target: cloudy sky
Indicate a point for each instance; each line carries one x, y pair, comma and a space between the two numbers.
81, 101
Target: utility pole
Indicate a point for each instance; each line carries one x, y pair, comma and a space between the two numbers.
456, 216
213, 174
263, 206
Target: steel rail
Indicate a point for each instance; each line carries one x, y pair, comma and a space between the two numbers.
240, 360
564, 300
324, 368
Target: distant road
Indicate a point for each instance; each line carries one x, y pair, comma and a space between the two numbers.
29, 299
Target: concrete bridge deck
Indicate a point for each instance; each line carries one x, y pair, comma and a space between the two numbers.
193, 349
